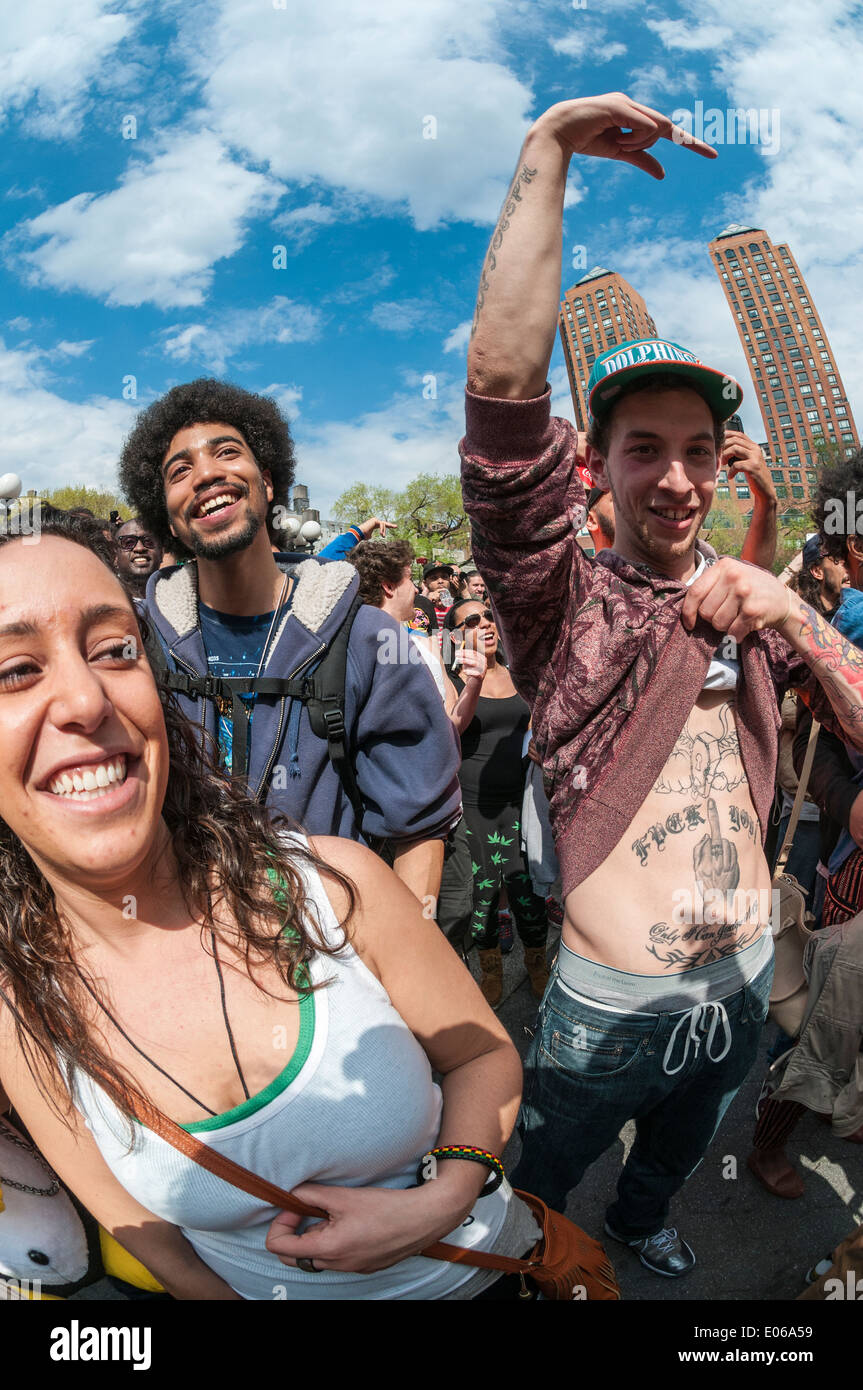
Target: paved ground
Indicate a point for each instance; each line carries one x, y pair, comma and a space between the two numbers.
749, 1245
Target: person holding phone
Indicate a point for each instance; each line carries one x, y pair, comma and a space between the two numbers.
492, 780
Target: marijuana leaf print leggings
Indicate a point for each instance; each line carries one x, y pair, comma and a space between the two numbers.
496, 858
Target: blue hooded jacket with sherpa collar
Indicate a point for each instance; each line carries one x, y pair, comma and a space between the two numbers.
405, 749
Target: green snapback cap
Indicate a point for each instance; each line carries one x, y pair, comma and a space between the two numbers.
613, 368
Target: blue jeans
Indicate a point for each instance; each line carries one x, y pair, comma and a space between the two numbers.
590, 1070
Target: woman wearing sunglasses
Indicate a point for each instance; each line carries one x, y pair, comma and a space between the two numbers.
492, 780
163, 943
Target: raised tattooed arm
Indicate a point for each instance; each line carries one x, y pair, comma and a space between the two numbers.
519, 292
835, 662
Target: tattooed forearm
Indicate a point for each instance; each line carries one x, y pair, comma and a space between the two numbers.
838, 665
511, 202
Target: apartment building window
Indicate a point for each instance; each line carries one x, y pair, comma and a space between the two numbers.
797, 492
777, 475
781, 490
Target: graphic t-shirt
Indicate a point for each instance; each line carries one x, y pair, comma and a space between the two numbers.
234, 647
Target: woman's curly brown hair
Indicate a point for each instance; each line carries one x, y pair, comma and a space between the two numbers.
230, 855
258, 420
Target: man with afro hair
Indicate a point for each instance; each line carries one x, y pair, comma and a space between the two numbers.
204, 468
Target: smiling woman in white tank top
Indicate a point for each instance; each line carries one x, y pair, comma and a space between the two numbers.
284, 1000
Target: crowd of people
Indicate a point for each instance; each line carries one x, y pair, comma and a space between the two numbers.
261, 809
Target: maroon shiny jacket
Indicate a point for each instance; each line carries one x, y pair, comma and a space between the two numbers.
597, 648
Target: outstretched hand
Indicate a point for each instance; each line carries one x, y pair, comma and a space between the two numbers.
616, 127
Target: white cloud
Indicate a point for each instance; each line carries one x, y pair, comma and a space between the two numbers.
51, 441
214, 344
287, 398
648, 84
405, 315
692, 38
350, 293
808, 191
406, 436
587, 41
338, 94
67, 349
459, 338
156, 236
50, 53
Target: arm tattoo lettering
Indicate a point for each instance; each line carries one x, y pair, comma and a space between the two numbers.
511, 202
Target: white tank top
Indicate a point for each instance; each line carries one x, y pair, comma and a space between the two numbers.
355, 1106
422, 645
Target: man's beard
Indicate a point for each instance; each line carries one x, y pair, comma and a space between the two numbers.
216, 547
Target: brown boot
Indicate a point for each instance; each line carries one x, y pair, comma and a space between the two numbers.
491, 981
773, 1170
534, 959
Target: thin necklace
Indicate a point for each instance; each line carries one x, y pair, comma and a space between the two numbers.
278, 610
142, 1053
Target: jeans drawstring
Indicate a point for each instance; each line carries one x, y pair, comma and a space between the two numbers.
698, 1019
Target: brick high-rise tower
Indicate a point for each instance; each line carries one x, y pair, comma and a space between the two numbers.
797, 383
601, 311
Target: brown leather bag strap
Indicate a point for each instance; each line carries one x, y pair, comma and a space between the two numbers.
234, 1173
217, 1163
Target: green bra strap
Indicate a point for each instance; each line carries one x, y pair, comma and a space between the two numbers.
280, 897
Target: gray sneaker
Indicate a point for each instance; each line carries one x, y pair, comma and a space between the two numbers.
665, 1253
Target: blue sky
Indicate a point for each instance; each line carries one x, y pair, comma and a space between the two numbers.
257, 126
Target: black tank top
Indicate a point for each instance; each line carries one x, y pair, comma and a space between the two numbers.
492, 770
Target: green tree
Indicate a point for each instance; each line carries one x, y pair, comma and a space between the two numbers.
725, 527
100, 503
432, 509
360, 501
429, 512
793, 527
828, 452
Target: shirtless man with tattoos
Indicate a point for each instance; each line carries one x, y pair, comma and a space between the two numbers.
654, 675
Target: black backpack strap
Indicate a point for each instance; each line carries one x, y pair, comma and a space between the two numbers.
325, 703
321, 690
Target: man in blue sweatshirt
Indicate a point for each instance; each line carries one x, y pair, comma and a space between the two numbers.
202, 468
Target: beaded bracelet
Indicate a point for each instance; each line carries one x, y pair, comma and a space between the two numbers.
489, 1160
